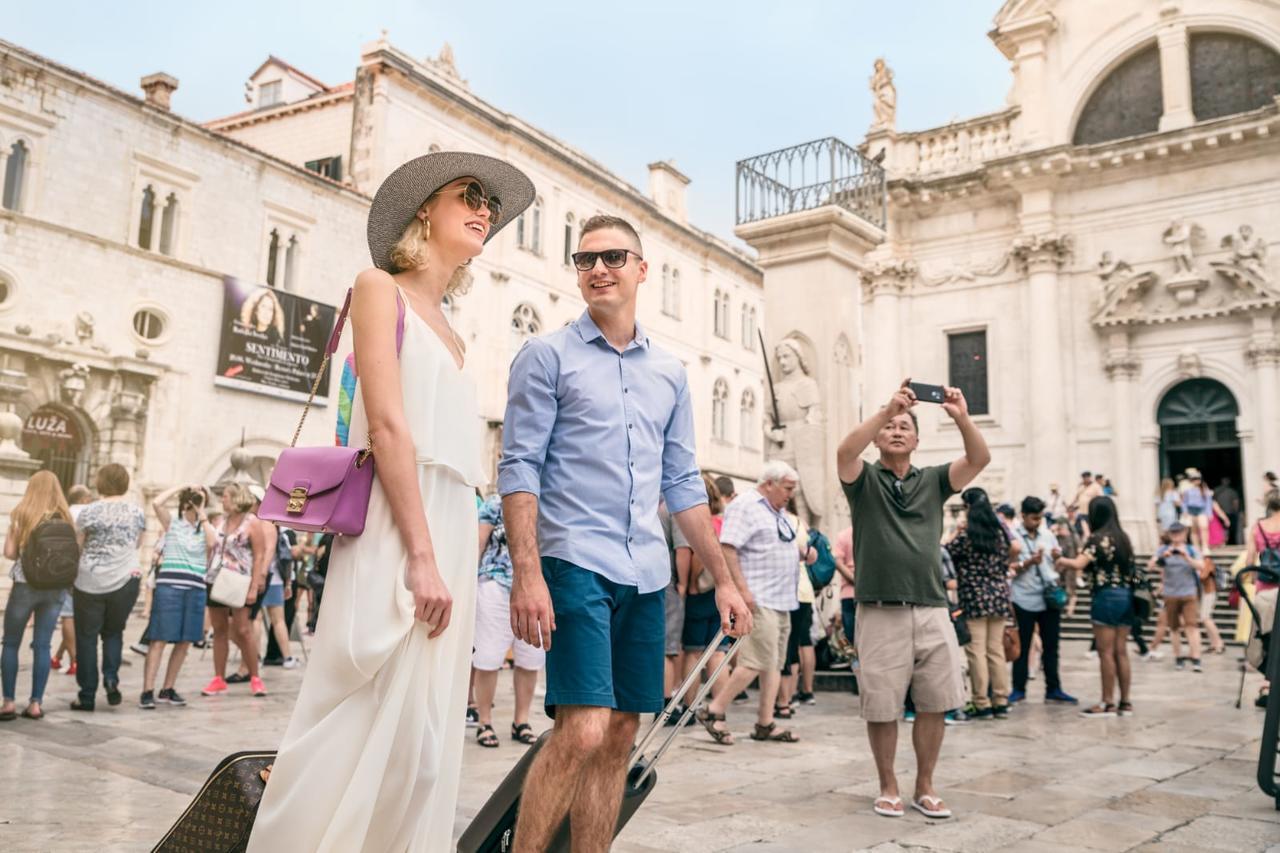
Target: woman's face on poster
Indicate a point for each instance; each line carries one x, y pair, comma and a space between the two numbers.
265, 311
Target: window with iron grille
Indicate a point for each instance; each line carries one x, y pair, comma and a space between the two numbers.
967, 356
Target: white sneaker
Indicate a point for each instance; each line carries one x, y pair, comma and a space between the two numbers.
1153, 656
290, 662
1091, 654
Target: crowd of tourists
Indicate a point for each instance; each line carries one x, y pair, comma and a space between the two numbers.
608, 560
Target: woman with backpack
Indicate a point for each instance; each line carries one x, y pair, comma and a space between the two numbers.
981, 554
39, 529
1263, 549
177, 606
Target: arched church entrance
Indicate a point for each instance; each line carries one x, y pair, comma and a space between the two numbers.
1198, 430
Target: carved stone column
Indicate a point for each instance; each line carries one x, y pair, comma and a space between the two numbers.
1040, 256
1123, 368
1263, 356
885, 282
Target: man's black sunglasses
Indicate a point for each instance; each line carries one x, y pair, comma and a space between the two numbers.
613, 259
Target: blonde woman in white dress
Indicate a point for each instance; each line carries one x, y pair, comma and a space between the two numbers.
371, 758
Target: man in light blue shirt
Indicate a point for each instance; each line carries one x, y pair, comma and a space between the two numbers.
598, 425
1035, 572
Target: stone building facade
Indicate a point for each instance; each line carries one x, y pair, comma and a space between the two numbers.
1093, 263
121, 218
703, 300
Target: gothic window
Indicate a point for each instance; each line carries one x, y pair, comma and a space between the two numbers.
748, 327
291, 257
721, 314
675, 294
719, 403
146, 220
273, 253
15, 172
670, 291
535, 227
525, 322
1128, 102
169, 224
749, 428
967, 354
568, 239
1231, 74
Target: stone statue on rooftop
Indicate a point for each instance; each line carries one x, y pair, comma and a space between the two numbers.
885, 105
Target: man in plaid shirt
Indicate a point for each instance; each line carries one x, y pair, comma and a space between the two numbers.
760, 539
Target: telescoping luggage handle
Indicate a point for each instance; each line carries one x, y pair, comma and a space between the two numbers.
637, 754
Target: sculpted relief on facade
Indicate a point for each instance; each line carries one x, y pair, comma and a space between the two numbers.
1239, 283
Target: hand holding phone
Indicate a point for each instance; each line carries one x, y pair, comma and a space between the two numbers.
926, 393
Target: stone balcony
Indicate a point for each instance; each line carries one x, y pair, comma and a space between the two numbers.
952, 149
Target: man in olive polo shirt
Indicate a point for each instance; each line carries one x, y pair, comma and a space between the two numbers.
904, 634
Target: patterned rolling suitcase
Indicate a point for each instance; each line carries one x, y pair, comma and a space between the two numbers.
493, 828
220, 817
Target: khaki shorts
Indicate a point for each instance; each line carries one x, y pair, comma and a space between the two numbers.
765, 648
901, 647
1182, 611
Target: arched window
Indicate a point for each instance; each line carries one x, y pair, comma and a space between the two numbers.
721, 313
525, 322
15, 172
169, 224
568, 239
675, 294
1128, 102
273, 252
749, 429
1231, 74
666, 290
755, 331
521, 228
719, 404
146, 219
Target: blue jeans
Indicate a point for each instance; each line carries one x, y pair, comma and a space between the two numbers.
23, 601
101, 615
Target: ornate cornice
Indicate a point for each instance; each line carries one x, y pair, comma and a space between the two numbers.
1034, 252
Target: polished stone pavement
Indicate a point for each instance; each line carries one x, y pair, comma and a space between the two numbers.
1177, 777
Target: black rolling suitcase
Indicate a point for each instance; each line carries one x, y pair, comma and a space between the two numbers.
221, 816
493, 828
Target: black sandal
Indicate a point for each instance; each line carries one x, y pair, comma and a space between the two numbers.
724, 737
523, 732
486, 736
785, 712
772, 732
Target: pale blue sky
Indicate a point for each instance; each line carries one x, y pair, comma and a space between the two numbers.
702, 82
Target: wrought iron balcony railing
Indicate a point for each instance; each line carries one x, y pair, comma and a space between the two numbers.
808, 176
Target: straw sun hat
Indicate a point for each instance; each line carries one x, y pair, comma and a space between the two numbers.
404, 190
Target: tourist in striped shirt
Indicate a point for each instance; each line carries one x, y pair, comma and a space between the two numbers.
177, 607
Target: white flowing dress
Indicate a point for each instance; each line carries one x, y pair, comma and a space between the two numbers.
371, 758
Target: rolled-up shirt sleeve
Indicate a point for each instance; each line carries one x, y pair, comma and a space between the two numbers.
682, 485
531, 414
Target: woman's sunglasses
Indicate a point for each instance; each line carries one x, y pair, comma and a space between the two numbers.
613, 259
473, 195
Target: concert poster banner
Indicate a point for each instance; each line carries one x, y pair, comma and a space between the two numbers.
272, 341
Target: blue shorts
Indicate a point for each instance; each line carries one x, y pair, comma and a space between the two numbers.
67, 611
177, 614
701, 621
274, 596
1112, 607
1195, 511
607, 649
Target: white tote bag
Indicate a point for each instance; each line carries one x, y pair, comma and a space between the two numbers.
230, 588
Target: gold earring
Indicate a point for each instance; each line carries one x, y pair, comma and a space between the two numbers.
426, 228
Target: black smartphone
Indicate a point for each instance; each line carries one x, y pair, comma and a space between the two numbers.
928, 393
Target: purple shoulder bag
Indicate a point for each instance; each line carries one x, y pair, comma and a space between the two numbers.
325, 489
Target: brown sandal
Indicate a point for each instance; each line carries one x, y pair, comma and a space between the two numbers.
724, 737
773, 733
784, 712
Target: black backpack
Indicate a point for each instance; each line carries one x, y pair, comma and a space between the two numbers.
51, 557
